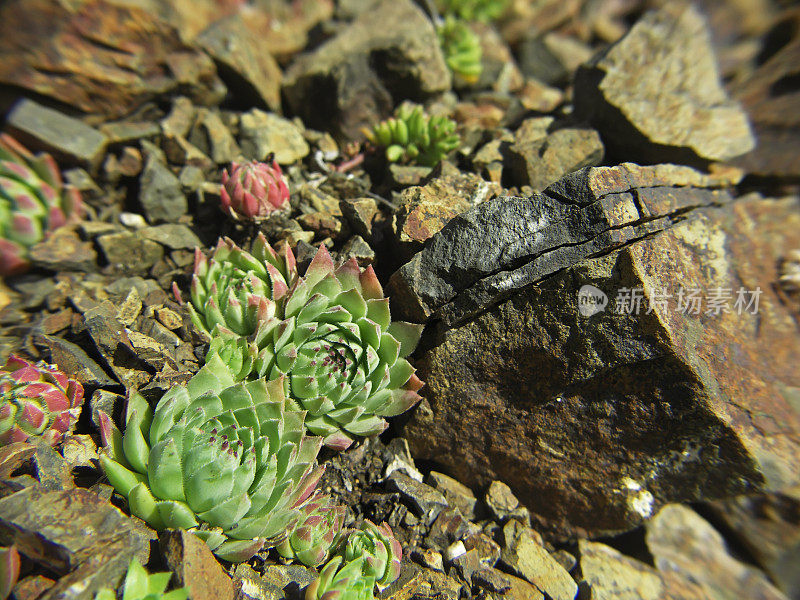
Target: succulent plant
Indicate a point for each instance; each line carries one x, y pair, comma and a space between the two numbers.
225, 460
36, 400
9, 570
339, 581
254, 189
237, 289
462, 49
317, 532
413, 137
380, 550
331, 338
474, 10
140, 585
33, 202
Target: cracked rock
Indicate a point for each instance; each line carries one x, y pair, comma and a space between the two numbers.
666, 399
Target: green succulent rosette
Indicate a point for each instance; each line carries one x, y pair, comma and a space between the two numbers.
413, 137
339, 581
140, 585
462, 49
342, 359
228, 461
379, 549
317, 532
232, 287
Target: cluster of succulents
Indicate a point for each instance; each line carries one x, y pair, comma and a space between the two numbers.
413, 137
461, 47
9, 570
228, 461
328, 335
317, 532
140, 585
254, 190
33, 202
474, 10
370, 556
37, 400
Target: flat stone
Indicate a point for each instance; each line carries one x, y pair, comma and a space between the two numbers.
425, 500
180, 151
71, 359
449, 527
130, 308
456, 493
244, 53
359, 68
130, 252
614, 576
528, 558
656, 94
124, 132
63, 250
223, 148
174, 236
501, 500
359, 249
66, 138
160, 193
52, 470
360, 214
62, 529
195, 566
491, 580
262, 134
169, 319
135, 57
682, 542
180, 119
695, 401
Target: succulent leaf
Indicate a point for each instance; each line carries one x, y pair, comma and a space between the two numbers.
139, 585
379, 549
33, 203
9, 570
462, 49
226, 460
37, 400
413, 137
254, 190
339, 581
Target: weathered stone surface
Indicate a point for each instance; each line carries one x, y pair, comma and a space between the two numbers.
360, 69
538, 161
65, 529
640, 406
174, 236
656, 96
769, 527
682, 542
63, 250
195, 566
426, 501
614, 576
99, 56
160, 193
424, 210
67, 139
247, 64
71, 359
214, 134
130, 252
267, 133
456, 493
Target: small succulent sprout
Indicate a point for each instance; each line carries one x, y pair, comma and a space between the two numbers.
37, 400
331, 339
380, 550
462, 49
317, 532
228, 461
140, 585
33, 202
339, 581
413, 137
254, 190
237, 289
9, 570
474, 10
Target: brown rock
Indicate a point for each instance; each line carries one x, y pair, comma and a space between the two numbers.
99, 56
527, 557
640, 409
63, 250
683, 543
195, 566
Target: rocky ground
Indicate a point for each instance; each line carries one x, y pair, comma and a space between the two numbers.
557, 453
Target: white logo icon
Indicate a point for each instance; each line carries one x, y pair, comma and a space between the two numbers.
591, 301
